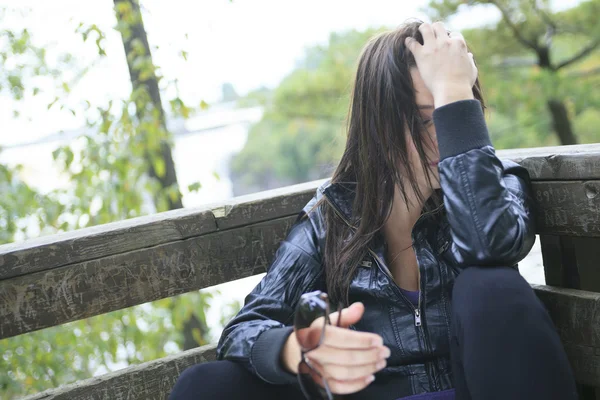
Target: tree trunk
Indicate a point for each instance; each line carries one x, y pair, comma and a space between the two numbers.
133, 32
561, 122
189, 342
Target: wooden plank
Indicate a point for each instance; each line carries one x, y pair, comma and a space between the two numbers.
148, 381
54, 297
558, 163
577, 162
87, 288
576, 315
567, 208
87, 244
55, 251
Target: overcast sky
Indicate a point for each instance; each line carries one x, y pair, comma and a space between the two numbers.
246, 42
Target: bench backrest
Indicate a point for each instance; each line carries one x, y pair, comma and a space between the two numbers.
56, 279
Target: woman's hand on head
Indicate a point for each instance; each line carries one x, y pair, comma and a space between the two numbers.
444, 62
347, 359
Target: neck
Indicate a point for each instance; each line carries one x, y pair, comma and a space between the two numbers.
398, 227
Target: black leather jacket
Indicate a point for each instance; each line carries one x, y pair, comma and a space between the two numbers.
485, 221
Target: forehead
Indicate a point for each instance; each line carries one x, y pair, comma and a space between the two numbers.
422, 94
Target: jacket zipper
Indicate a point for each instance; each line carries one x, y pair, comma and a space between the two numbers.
386, 271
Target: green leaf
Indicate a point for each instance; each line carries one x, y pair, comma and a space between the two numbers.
52, 103
204, 105
184, 54
69, 156
159, 166
194, 187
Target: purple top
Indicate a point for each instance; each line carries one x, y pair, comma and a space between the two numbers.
413, 297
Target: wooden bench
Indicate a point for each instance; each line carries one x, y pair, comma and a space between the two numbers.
53, 280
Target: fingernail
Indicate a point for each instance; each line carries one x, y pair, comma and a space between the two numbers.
377, 341
370, 379
385, 352
380, 364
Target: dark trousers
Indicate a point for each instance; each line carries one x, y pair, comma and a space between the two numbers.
504, 347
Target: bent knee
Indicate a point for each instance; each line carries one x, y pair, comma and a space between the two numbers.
480, 290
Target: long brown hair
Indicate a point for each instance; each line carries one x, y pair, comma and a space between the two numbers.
382, 104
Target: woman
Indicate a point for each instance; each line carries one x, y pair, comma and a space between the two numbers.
419, 229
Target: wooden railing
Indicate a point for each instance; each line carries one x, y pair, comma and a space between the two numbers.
53, 280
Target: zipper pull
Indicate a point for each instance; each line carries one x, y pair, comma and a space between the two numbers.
417, 317
444, 247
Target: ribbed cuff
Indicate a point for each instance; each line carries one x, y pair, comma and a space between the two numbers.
266, 353
460, 127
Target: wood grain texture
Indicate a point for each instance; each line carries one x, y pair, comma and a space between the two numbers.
55, 251
568, 208
578, 162
548, 163
148, 381
49, 298
576, 315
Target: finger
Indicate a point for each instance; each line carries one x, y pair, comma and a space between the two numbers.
456, 35
347, 387
472, 58
343, 338
439, 30
326, 355
427, 32
350, 315
413, 45
459, 37
346, 373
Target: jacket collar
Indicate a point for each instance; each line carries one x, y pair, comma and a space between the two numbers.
341, 196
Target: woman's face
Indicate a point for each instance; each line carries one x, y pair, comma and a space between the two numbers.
426, 106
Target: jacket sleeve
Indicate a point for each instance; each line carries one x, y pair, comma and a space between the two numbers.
488, 202
256, 335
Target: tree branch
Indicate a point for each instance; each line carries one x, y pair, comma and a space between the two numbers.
514, 28
544, 16
583, 53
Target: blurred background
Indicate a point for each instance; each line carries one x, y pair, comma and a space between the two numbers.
115, 109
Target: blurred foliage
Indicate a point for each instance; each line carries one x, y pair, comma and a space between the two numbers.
22, 62
531, 57
260, 97
115, 171
23, 65
301, 135
81, 349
